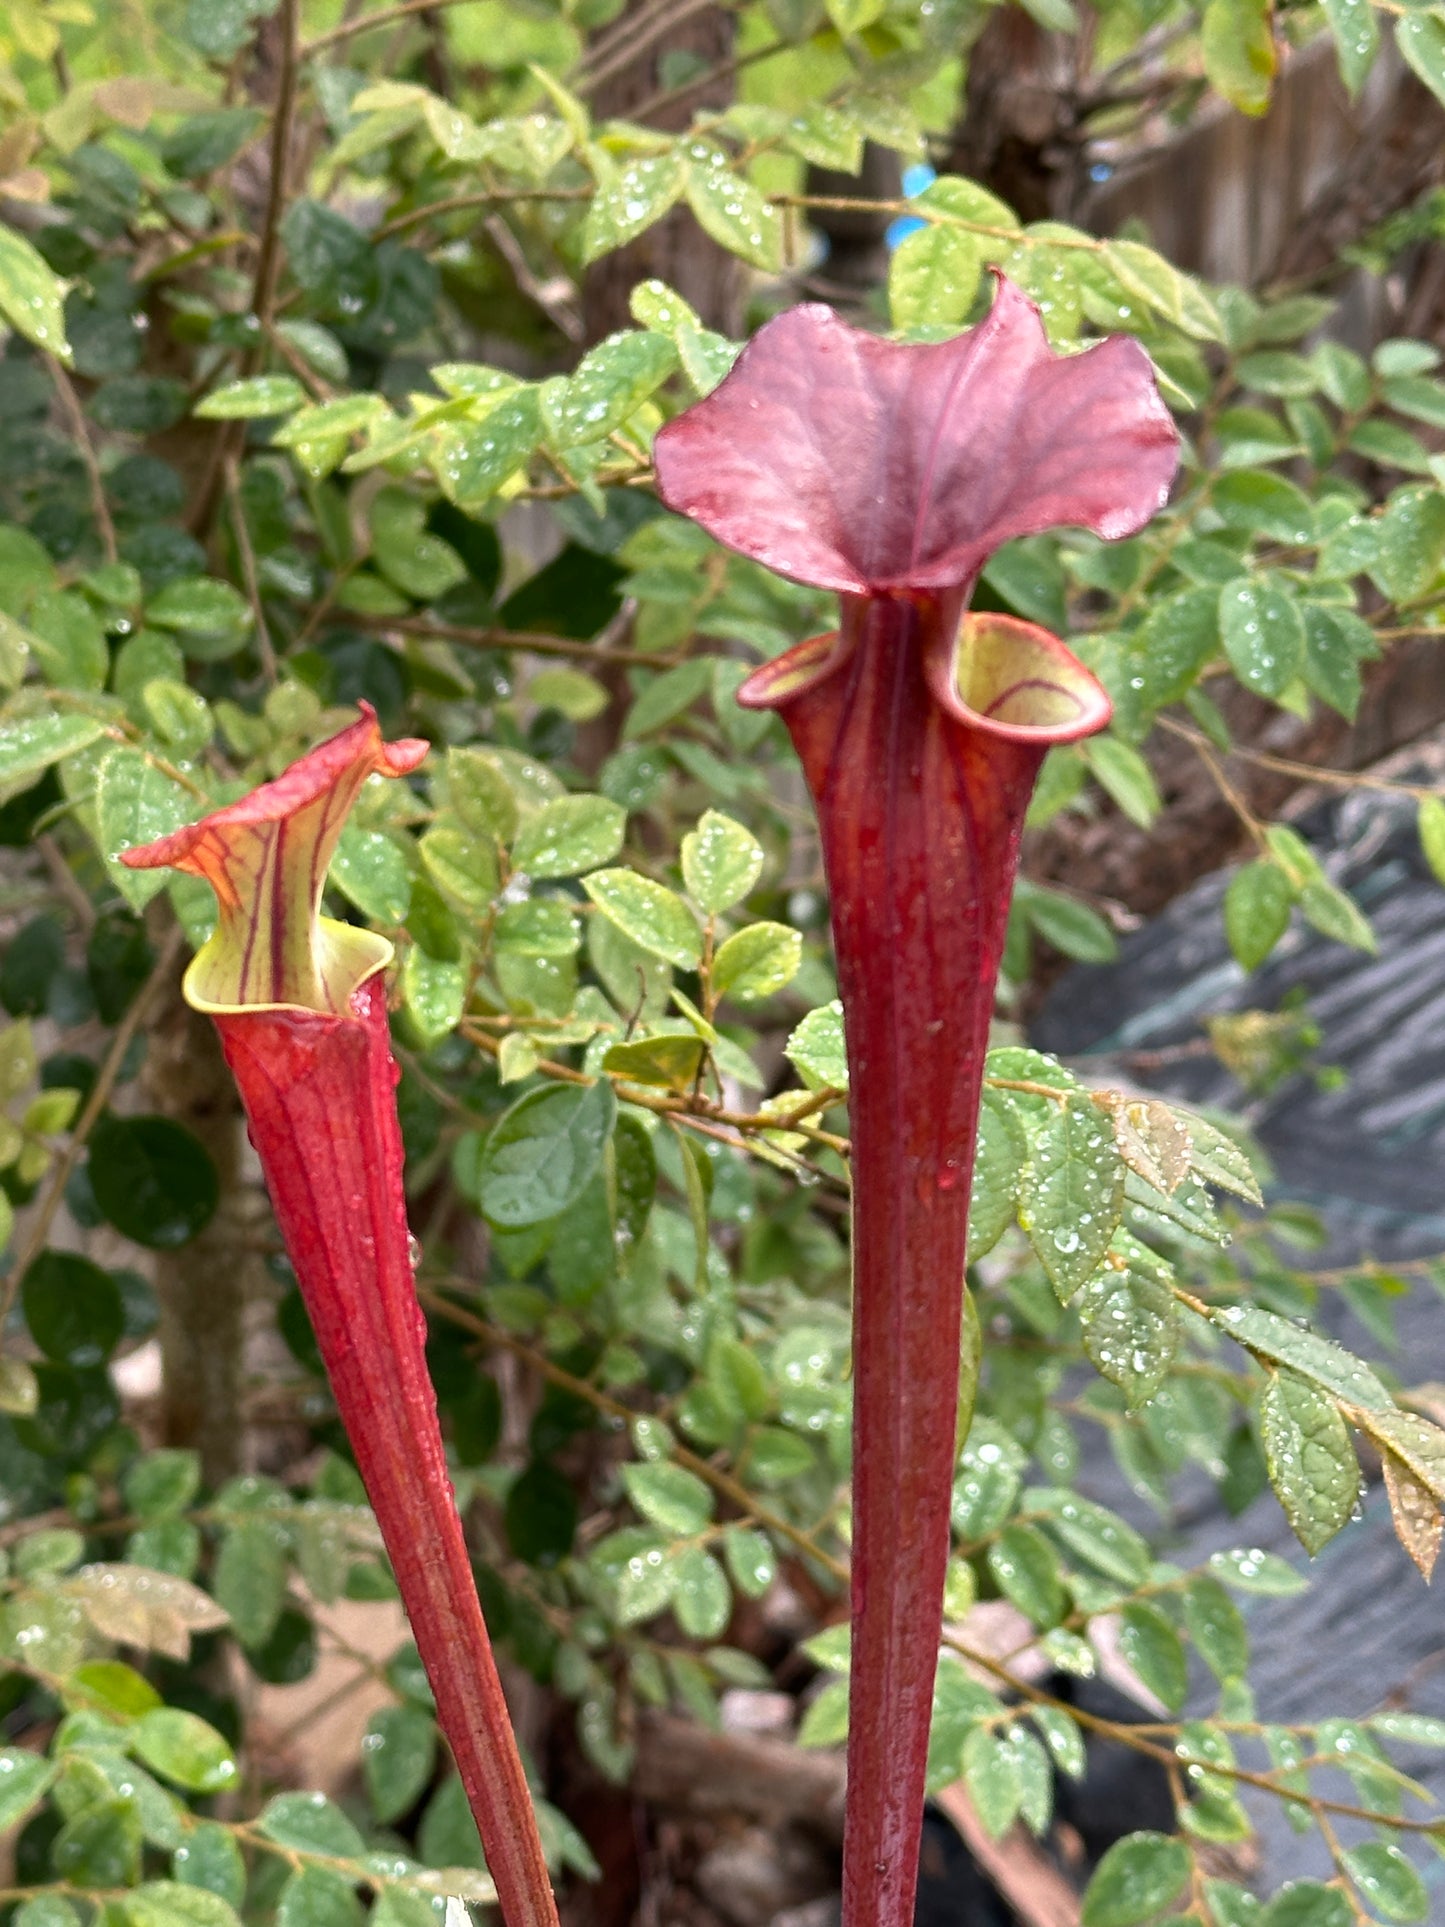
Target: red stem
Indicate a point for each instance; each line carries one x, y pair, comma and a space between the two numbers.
921, 816
320, 1097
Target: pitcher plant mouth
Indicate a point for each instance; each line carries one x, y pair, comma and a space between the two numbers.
299, 1004
266, 858
1000, 675
889, 473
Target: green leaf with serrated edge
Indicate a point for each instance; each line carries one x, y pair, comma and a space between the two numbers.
731, 209
184, 1749
1305, 1352
1130, 1319
258, 395
1421, 39
817, 1051
32, 296
1387, 1881
370, 870
572, 834
757, 962
1150, 1645
1148, 277
25, 1779
474, 460
1250, 1569
175, 1903
1026, 1569
721, 861
654, 917
628, 202
1263, 632
1136, 1879
1071, 1193
1312, 1464
933, 277
30, 745
1411, 542
543, 1153
999, 1156
1415, 1441
1257, 906
610, 383
134, 803
1334, 914
1093, 1534
702, 1601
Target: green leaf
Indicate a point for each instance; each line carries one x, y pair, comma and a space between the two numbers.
25, 1779
731, 209
628, 203
1388, 1882
1026, 1568
654, 917
1136, 1879
1332, 660
309, 1823
671, 1060
825, 1721
669, 1496
73, 1309
176, 1903
1306, 1352
1152, 1647
1071, 1193
1217, 1628
32, 744
1237, 41
203, 611
317, 1897
464, 868
1147, 276
152, 1179
610, 383
1126, 777
183, 1749
1094, 1534
256, 396
999, 1156
1130, 1320
477, 457
250, 1580
543, 1153
19, 1387
1357, 39
67, 641
721, 861
1263, 633
572, 834
668, 695
1070, 926
1308, 1903
1334, 914
135, 803
211, 1859
757, 962
933, 277
750, 1560
397, 1759
990, 1774
1257, 905
1421, 39
1432, 833
541, 1515
1312, 1464
370, 870
1411, 536
701, 1599
1258, 1572
817, 1051
32, 297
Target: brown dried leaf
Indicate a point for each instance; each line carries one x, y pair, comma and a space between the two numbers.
138, 1607
1419, 1525
1152, 1139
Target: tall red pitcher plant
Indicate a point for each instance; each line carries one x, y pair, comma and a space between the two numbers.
300, 1004
890, 473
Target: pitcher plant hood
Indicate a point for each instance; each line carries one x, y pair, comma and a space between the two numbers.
300, 1005
890, 472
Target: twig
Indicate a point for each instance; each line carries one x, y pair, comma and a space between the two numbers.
540, 645
1307, 772
364, 23
268, 264
99, 1097
80, 435
658, 27
249, 572
488, 197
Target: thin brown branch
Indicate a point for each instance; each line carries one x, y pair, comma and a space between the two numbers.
80, 435
39, 1228
364, 23
249, 573
540, 645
